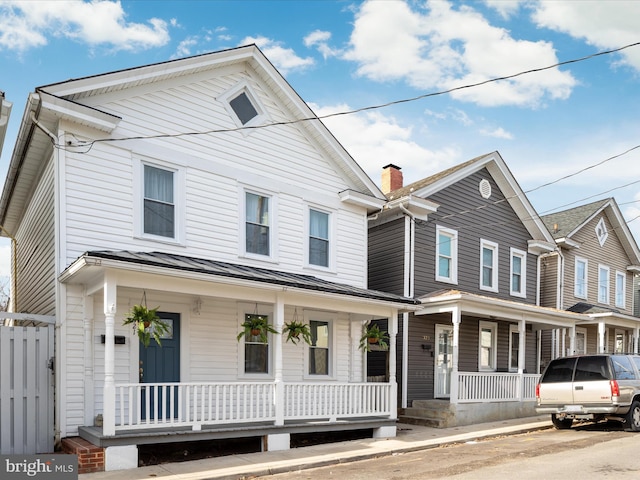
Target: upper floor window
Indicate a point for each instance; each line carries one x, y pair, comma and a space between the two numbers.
580, 278
243, 106
518, 273
159, 205
318, 238
621, 287
603, 284
601, 232
446, 255
489, 265
487, 355
257, 232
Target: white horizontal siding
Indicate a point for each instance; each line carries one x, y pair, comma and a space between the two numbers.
99, 194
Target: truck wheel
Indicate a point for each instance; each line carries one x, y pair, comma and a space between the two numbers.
632, 422
563, 423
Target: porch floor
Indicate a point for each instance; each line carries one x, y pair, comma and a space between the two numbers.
215, 432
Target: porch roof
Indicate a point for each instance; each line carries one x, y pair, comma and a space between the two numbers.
601, 313
221, 270
470, 303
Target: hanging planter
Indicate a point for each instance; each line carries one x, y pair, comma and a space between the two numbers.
146, 323
372, 335
256, 326
295, 329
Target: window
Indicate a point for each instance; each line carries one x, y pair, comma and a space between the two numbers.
159, 206
489, 266
581, 341
318, 238
243, 108
603, 284
488, 343
514, 347
580, 280
518, 273
446, 255
319, 348
621, 287
256, 351
601, 232
257, 233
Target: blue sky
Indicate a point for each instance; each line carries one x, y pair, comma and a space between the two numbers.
347, 55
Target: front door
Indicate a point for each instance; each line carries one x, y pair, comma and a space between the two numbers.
443, 358
161, 364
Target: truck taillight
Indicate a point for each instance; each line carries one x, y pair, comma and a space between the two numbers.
615, 389
537, 390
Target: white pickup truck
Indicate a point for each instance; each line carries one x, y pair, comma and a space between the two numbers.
591, 387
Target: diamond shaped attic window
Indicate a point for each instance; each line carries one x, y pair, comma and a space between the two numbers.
243, 108
601, 232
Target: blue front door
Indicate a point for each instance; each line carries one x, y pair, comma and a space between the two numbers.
161, 364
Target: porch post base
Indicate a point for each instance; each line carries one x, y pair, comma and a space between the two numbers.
384, 432
276, 441
121, 457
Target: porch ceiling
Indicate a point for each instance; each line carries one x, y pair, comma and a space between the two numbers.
472, 304
91, 265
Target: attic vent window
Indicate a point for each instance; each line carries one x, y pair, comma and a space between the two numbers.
485, 188
243, 108
601, 232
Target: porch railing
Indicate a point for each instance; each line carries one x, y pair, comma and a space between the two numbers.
194, 405
496, 387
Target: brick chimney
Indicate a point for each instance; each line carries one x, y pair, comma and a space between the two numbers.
391, 178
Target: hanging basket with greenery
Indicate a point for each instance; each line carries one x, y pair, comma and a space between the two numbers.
297, 331
372, 335
256, 326
146, 323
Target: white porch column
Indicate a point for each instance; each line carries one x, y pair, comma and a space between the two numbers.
109, 409
89, 407
277, 351
455, 320
393, 334
522, 332
405, 359
572, 340
601, 338
636, 335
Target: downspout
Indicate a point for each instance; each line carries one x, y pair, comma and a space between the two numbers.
408, 292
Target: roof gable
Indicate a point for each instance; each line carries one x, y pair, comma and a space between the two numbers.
504, 179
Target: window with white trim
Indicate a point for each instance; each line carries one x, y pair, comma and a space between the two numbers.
319, 356
488, 342
514, 347
318, 238
580, 281
621, 287
256, 352
601, 232
518, 284
603, 284
159, 205
257, 224
488, 265
581, 341
446, 255
243, 106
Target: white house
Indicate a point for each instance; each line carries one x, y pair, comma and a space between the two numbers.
205, 187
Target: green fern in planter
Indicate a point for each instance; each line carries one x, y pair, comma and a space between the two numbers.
146, 324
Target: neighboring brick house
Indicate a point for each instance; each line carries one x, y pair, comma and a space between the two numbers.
592, 272
473, 262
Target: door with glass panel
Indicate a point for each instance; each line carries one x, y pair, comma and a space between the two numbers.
443, 361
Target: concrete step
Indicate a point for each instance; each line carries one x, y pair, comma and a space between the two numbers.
422, 421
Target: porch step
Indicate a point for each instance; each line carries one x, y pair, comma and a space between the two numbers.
430, 413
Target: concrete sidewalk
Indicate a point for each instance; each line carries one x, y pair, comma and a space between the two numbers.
409, 438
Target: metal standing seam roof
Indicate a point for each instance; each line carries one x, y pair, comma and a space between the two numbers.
245, 272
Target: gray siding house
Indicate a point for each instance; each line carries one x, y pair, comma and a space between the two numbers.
472, 352
592, 272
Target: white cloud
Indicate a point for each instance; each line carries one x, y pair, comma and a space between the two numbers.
505, 9
25, 25
497, 133
284, 59
605, 25
319, 39
5, 259
443, 48
375, 140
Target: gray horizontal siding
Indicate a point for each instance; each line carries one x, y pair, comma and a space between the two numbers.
386, 257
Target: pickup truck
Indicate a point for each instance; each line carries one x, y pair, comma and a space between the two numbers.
591, 387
